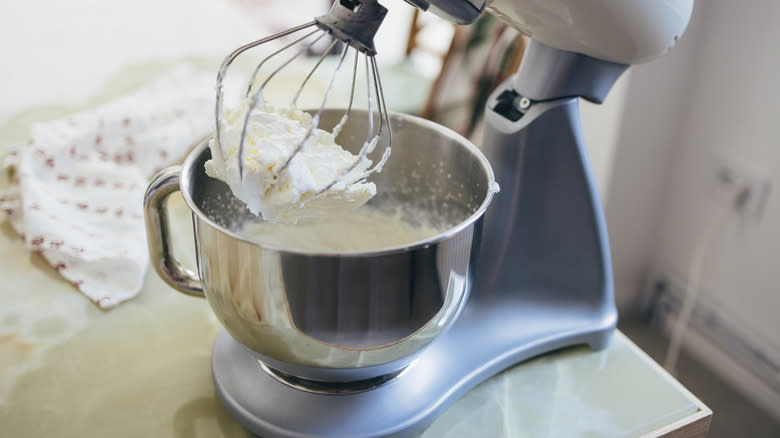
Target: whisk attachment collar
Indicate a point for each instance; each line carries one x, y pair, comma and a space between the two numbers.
355, 22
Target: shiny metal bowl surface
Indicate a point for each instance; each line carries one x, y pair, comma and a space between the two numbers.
334, 316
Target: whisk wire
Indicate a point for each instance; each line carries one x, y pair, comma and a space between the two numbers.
354, 81
223, 70
337, 129
313, 69
267, 58
316, 119
258, 95
367, 145
370, 106
384, 118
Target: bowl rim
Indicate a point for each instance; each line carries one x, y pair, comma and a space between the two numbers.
199, 149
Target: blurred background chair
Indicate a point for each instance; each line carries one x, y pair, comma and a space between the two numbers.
478, 58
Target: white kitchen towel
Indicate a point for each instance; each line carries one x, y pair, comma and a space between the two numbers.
78, 184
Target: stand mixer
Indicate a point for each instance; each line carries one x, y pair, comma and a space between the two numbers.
540, 277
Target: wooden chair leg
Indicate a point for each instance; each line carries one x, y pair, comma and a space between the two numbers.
414, 30
429, 108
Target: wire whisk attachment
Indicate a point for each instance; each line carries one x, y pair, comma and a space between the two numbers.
349, 27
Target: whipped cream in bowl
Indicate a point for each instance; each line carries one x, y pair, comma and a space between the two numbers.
321, 179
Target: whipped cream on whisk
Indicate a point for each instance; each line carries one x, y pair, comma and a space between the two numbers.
273, 134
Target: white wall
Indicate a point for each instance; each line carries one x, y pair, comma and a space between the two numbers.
714, 99
734, 116
647, 141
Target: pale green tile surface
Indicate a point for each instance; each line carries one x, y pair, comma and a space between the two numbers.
68, 369
615, 393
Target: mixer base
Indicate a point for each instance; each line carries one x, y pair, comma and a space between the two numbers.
482, 342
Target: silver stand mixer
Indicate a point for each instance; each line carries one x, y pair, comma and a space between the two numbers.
540, 277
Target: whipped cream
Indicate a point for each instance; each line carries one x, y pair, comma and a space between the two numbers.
273, 134
365, 228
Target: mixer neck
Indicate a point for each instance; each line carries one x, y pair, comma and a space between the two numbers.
355, 22
547, 73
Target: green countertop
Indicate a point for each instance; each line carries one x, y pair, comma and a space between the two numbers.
68, 369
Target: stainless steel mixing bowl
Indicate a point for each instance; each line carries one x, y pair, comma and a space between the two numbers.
338, 316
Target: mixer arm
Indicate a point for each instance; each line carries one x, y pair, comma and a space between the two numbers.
625, 31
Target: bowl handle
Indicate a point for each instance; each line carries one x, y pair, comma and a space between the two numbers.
165, 263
